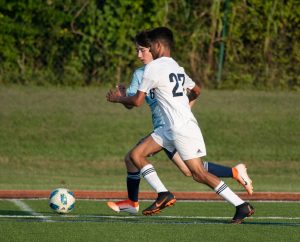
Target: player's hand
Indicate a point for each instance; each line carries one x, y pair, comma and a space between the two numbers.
122, 89
113, 96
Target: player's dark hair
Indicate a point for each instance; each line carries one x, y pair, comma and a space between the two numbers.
162, 34
142, 39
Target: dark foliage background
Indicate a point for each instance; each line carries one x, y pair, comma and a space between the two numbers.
82, 42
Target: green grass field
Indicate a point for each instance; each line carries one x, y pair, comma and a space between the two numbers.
71, 137
186, 221
52, 137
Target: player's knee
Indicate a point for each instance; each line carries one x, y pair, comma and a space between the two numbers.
136, 157
199, 177
127, 158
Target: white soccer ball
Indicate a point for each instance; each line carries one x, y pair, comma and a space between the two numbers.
62, 200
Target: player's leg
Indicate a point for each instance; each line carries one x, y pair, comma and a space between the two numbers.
133, 174
140, 153
133, 179
217, 170
130, 205
190, 146
239, 172
174, 156
139, 156
201, 175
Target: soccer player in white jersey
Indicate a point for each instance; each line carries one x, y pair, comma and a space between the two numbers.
131, 204
181, 130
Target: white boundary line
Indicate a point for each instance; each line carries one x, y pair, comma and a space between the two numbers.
25, 208
60, 218
37, 215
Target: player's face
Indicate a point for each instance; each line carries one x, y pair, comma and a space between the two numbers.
144, 54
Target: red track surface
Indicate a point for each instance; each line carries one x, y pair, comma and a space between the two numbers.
263, 196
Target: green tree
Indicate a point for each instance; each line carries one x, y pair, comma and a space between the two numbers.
84, 42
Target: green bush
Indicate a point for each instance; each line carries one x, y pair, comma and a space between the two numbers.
90, 42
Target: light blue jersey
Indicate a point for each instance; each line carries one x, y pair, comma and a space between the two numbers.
157, 118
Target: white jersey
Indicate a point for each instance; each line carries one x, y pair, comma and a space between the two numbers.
181, 131
169, 82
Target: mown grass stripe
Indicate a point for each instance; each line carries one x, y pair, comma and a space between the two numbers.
155, 221
143, 217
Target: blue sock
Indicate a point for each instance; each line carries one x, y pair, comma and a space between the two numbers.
218, 170
133, 184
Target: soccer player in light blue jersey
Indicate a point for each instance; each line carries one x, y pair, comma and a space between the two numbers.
131, 205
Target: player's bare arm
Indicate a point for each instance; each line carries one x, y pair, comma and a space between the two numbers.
193, 94
122, 89
136, 100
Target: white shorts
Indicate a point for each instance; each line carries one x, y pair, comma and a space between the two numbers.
187, 140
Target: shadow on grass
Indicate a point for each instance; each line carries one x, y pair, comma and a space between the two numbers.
273, 223
14, 212
76, 218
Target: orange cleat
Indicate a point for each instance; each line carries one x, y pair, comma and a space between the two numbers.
241, 175
124, 206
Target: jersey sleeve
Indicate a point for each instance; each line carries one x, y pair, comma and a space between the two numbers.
135, 82
149, 80
189, 83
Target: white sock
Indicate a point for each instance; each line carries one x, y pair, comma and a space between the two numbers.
224, 191
150, 175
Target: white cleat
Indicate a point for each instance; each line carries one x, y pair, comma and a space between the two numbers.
243, 178
124, 206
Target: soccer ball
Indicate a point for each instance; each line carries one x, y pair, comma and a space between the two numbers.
62, 200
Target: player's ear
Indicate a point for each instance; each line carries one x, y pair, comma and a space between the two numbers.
155, 45
159, 46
